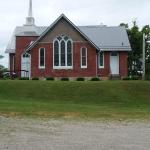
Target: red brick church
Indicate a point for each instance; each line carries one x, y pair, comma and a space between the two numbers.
66, 50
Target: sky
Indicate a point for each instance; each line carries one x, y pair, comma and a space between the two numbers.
80, 12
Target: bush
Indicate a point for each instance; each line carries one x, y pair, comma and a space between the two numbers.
64, 79
126, 78
24, 78
135, 77
1, 75
35, 78
15, 76
5, 75
80, 79
148, 77
95, 79
50, 79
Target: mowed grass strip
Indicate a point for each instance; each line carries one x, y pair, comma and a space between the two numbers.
98, 100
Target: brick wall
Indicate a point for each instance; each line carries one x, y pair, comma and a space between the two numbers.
11, 62
77, 71
104, 72
21, 44
123, 67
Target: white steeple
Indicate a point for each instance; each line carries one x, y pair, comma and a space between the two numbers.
30, 9
30, 19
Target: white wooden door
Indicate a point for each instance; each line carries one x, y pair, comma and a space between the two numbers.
114, 63
25, 65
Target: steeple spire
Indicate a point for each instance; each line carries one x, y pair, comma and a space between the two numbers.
30, 9
30, 19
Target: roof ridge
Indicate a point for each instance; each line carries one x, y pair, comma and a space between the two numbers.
100, 26
53, 24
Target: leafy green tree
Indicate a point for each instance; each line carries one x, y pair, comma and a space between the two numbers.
134, 57
146, 30
2, 68
1, 56
124, 25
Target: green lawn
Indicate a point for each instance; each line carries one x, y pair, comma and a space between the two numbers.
86, 100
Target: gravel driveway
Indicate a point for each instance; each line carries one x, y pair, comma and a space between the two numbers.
36, 134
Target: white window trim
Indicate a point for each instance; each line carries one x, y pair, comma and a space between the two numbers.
83, 67
62, 67
41, 67
101, 67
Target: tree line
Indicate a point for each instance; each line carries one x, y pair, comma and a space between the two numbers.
135, 35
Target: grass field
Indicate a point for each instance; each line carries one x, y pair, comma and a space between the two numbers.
86, 100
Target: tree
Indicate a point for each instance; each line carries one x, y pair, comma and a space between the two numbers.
146, 30
2, 68
124, 25
1, 56
134, 59
135, 38
136, 41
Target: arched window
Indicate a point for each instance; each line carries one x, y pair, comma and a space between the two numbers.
41, 58
25, 65
56, 53
62, 50
26, 55
69, 53
83, 57
63, 53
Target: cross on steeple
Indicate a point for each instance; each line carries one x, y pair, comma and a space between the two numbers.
30, 19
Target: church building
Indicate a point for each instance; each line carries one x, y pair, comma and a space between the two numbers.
66, 50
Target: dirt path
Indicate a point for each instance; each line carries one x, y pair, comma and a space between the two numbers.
35, 134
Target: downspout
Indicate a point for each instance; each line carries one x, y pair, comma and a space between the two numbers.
97, 62
30, 66
96, 66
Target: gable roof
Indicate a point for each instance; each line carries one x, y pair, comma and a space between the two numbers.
23, 31
108, 38
53, 24
102, 37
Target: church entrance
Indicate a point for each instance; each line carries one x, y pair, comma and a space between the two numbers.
26, 65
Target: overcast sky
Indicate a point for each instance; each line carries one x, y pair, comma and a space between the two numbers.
80, 12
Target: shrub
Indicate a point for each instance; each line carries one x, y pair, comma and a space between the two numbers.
1, 75
126, 78
95, 79
80, 79
148, 77
64, 79
14, 76
24, 78
135, 77
5, 75
50, 79
35, 78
